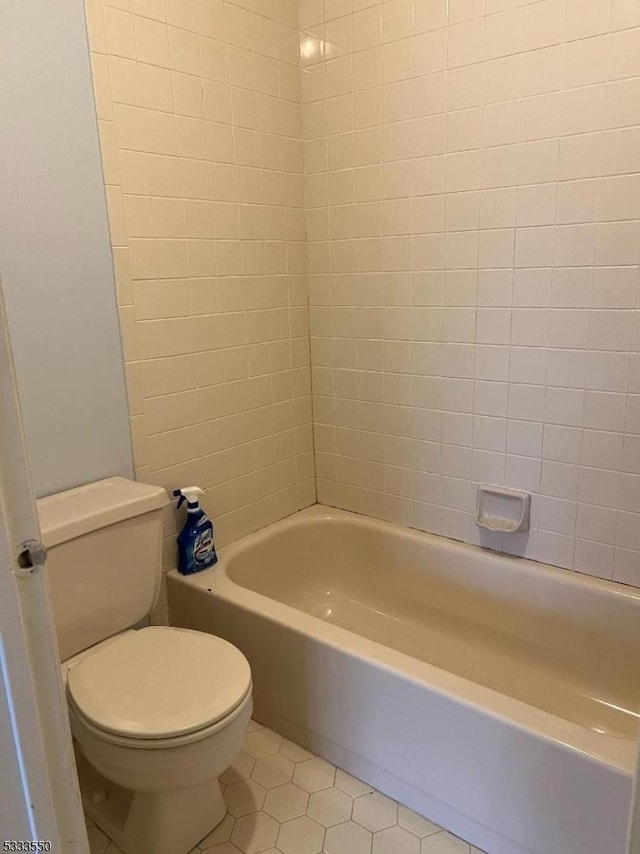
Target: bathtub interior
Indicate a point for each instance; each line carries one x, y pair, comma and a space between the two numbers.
567, 645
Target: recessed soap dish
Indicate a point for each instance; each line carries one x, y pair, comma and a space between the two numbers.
504, 510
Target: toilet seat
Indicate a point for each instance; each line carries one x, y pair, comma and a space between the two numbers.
159, 683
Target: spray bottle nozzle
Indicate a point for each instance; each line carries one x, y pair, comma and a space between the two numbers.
190, 495
181, 498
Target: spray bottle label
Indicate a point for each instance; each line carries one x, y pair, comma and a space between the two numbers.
203, 547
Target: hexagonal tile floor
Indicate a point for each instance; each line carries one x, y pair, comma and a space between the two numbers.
284, 800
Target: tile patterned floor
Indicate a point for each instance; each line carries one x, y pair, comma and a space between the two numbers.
284, 800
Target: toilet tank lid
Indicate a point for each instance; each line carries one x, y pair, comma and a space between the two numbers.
70, 514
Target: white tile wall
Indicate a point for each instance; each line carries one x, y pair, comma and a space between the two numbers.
472, 194
473, 220
200, 125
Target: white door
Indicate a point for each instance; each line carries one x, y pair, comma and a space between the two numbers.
39, 796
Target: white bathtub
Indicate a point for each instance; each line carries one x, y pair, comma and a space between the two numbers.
496, 696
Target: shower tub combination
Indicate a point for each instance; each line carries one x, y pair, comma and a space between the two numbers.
496, 696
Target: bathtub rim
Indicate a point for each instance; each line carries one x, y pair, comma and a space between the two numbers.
614, 751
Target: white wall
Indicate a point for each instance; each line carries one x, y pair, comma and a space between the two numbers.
55, 259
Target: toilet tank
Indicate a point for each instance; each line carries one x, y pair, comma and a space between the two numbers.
103, 566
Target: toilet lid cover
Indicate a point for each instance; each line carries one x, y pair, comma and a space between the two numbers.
159, 682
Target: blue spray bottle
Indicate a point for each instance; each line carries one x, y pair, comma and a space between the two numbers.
195, 542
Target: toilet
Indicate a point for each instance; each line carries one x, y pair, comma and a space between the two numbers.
157, 713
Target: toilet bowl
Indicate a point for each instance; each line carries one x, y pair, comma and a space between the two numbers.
157, 713
161, 713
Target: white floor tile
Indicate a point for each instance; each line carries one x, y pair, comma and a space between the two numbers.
415, 823
222, 833
347, 838
284, 800
351, 785
244, 798
312, 775
330, 806
254, 833
273, 771
395, 840
444, 843
300, 836
375, 811
293, 751
262, 742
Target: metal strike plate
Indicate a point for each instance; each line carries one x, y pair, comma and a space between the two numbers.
31, 557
